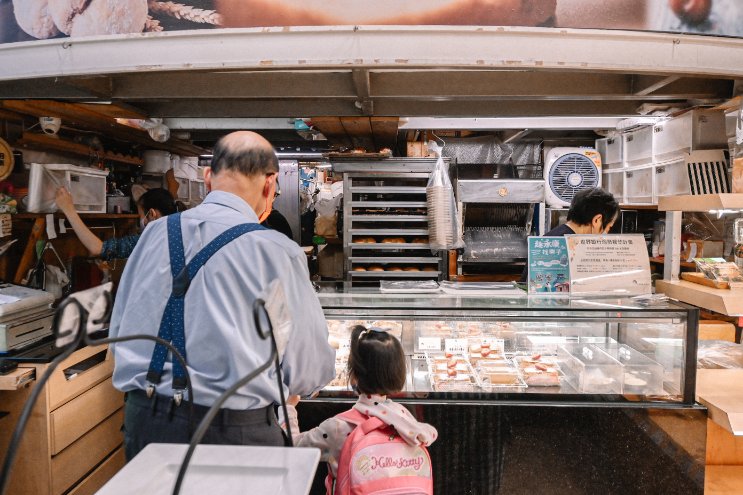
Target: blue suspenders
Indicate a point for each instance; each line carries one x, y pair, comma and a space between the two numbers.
172, 324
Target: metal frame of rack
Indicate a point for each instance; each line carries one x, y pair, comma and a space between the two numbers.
384, 195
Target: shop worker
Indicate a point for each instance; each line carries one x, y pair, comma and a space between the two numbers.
213, 312
151, 205
592, 211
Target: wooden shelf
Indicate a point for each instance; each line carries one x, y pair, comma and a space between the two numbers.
720, 391
661, 260
724, 301
102, 216
723, 480
639, 207
702, 202
50, 143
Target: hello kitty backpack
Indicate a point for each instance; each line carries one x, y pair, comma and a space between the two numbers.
375, 459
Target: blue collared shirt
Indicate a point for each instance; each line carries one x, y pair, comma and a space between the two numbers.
222, 344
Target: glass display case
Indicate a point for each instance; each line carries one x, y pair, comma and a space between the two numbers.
485, 349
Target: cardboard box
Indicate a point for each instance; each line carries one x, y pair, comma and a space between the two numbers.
418, 149
697, 248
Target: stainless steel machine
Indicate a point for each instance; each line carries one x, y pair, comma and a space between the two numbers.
498, 204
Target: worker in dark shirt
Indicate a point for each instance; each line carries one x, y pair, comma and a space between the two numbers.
276, 221
592, 211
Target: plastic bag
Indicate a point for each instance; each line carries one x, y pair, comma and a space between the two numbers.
444, 225
715, 354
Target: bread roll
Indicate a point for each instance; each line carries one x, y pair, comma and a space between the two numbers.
359, 269
411, 269
393, 240
375, 268
249, 13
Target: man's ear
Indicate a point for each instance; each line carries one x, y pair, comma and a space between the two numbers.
208, 178
597, 221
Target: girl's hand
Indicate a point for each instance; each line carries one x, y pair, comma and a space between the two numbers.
293, 400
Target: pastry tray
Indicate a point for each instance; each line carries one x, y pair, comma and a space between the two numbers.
518, 382
456, 385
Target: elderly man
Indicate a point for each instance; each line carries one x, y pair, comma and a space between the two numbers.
212, 310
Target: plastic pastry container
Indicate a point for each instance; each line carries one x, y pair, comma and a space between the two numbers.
589, 370
640, 374
450, 374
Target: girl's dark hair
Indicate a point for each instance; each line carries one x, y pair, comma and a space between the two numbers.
158, 199
376, 362
588, 203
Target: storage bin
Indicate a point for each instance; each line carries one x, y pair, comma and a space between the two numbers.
638, 186
86, 185
610, 149
640, 374
694, 130
590, 370
671, 178
613, 181
197, 191
637, 147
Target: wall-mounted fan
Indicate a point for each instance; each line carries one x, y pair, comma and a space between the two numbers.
569, 170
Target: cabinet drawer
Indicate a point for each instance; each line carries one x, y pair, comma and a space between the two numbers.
72, 420
66, 382
79, 458
95, 480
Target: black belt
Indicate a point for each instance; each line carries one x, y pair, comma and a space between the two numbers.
161, 404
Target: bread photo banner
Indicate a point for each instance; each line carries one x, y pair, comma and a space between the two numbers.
25, 20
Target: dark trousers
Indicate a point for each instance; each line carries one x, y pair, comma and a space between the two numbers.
152, 421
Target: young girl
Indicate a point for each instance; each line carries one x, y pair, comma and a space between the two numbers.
376, 367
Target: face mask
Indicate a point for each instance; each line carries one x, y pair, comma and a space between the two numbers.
143, 221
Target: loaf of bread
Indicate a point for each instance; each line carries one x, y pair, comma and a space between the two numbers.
249, 13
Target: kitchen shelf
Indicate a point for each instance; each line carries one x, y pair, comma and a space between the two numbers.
49, 143
92, 216
390, 218
725, 301
388, 204
661, 261
388, 190
388, 245
702, 202
390, 232
392, 259
395, 274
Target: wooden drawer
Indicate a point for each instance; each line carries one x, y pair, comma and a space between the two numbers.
63, 388
75, 418
100, 476
79, 458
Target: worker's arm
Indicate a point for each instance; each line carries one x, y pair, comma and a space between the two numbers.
88, 238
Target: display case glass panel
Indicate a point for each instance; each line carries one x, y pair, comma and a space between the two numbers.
481, 348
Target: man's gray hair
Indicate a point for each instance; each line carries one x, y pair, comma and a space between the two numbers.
247, 160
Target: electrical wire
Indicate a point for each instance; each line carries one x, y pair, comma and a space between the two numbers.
258, 310
80, 338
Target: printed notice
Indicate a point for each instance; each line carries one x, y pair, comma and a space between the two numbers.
548, 265
608, 264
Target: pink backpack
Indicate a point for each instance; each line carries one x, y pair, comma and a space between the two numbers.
375, 459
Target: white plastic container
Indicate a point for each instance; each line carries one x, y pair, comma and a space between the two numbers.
637, 147
638, 186
86, 185
694, 130
610, 149
156, 161
589, 370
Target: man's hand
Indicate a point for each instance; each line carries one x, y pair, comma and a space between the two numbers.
293, 400
63, 198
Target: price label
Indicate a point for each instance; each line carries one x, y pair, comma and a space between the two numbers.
455, 346
496, 345
429, 344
